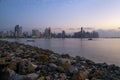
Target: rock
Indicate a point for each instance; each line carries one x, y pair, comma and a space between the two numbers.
65, 63
65, 56
0, 53
11, 54
73, 69
83, 75
52, 56
20, 77
64, 60
41, 78
90, 62
63, 76
52, 60
73, 61
80, 75
48, 78
4, 72
43, 58
15, 76
12, 66
32, 76
78, 58
21, 69
2, 60
52, 65
60, 69
96, 73
31, 67
25, 67
4, 54
19, 51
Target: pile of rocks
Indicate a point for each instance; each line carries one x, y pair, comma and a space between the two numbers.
24, 62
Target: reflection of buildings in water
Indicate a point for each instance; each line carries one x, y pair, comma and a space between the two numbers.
81, 50
17, 40
63, 46
47, 43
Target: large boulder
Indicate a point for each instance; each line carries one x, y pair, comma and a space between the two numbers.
25, 67
12, 66
65, 63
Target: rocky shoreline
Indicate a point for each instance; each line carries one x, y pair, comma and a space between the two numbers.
24, 62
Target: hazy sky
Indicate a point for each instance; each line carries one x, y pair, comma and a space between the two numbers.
96, 14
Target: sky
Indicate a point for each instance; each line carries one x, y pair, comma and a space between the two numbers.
60, 14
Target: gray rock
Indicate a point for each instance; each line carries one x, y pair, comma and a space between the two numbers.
53, 65
32, 76
48, 78
25, 67
63, 76
73, 69
65, 60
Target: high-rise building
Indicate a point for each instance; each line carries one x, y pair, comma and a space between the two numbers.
11, 33
47, 33
95, 34
35, 33
81, 32
18, 31
63, 34
1, 34
26, 35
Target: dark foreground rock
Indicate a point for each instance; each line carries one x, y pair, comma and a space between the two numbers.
24, 62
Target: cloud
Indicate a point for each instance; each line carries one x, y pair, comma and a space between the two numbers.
88, 28
78, 28
57, 28
71, 28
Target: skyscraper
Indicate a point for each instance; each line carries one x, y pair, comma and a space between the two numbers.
35, 33
18, 31
81, 32
63, 34
47, 33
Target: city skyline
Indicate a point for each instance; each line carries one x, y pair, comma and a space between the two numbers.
60, 15
48, 34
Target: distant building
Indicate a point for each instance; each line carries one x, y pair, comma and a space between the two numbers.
83, 34
11, 33
35, 33
47, 33
95, 34
63, 34
18, 31
1, 34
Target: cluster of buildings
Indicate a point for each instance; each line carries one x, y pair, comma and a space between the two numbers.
83, 34
18, 33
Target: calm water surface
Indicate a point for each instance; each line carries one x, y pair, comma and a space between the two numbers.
98, 50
